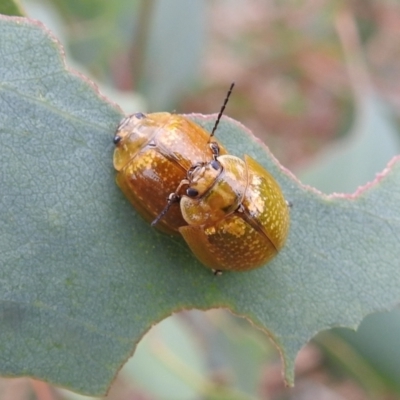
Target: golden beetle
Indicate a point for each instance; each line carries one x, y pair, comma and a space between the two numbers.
153, 154
231, 212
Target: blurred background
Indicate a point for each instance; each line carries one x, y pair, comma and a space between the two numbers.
319, 82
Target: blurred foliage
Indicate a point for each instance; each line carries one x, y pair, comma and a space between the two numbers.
294, 90
10, 7
152, 47
297, 89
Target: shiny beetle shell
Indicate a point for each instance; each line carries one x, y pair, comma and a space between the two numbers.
237, 218
152, 156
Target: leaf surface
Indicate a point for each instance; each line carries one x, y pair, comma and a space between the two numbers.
82, 277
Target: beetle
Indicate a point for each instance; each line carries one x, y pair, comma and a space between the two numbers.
231, 212
153, 153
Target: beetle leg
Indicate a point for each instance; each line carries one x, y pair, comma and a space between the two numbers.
172, 198
216, 272
289, 204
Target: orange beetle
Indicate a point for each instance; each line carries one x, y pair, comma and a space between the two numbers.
152, 156
231, 212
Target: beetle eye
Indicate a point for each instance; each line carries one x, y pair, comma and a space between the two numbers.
216, 165
139, 115
117, 139
192, 192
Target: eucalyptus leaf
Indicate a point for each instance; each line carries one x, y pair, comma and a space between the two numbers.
83, 277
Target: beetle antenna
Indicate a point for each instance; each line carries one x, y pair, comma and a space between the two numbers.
222, 110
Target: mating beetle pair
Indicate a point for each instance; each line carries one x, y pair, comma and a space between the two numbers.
231, 212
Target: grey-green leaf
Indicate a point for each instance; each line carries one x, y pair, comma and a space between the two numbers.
82, 277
